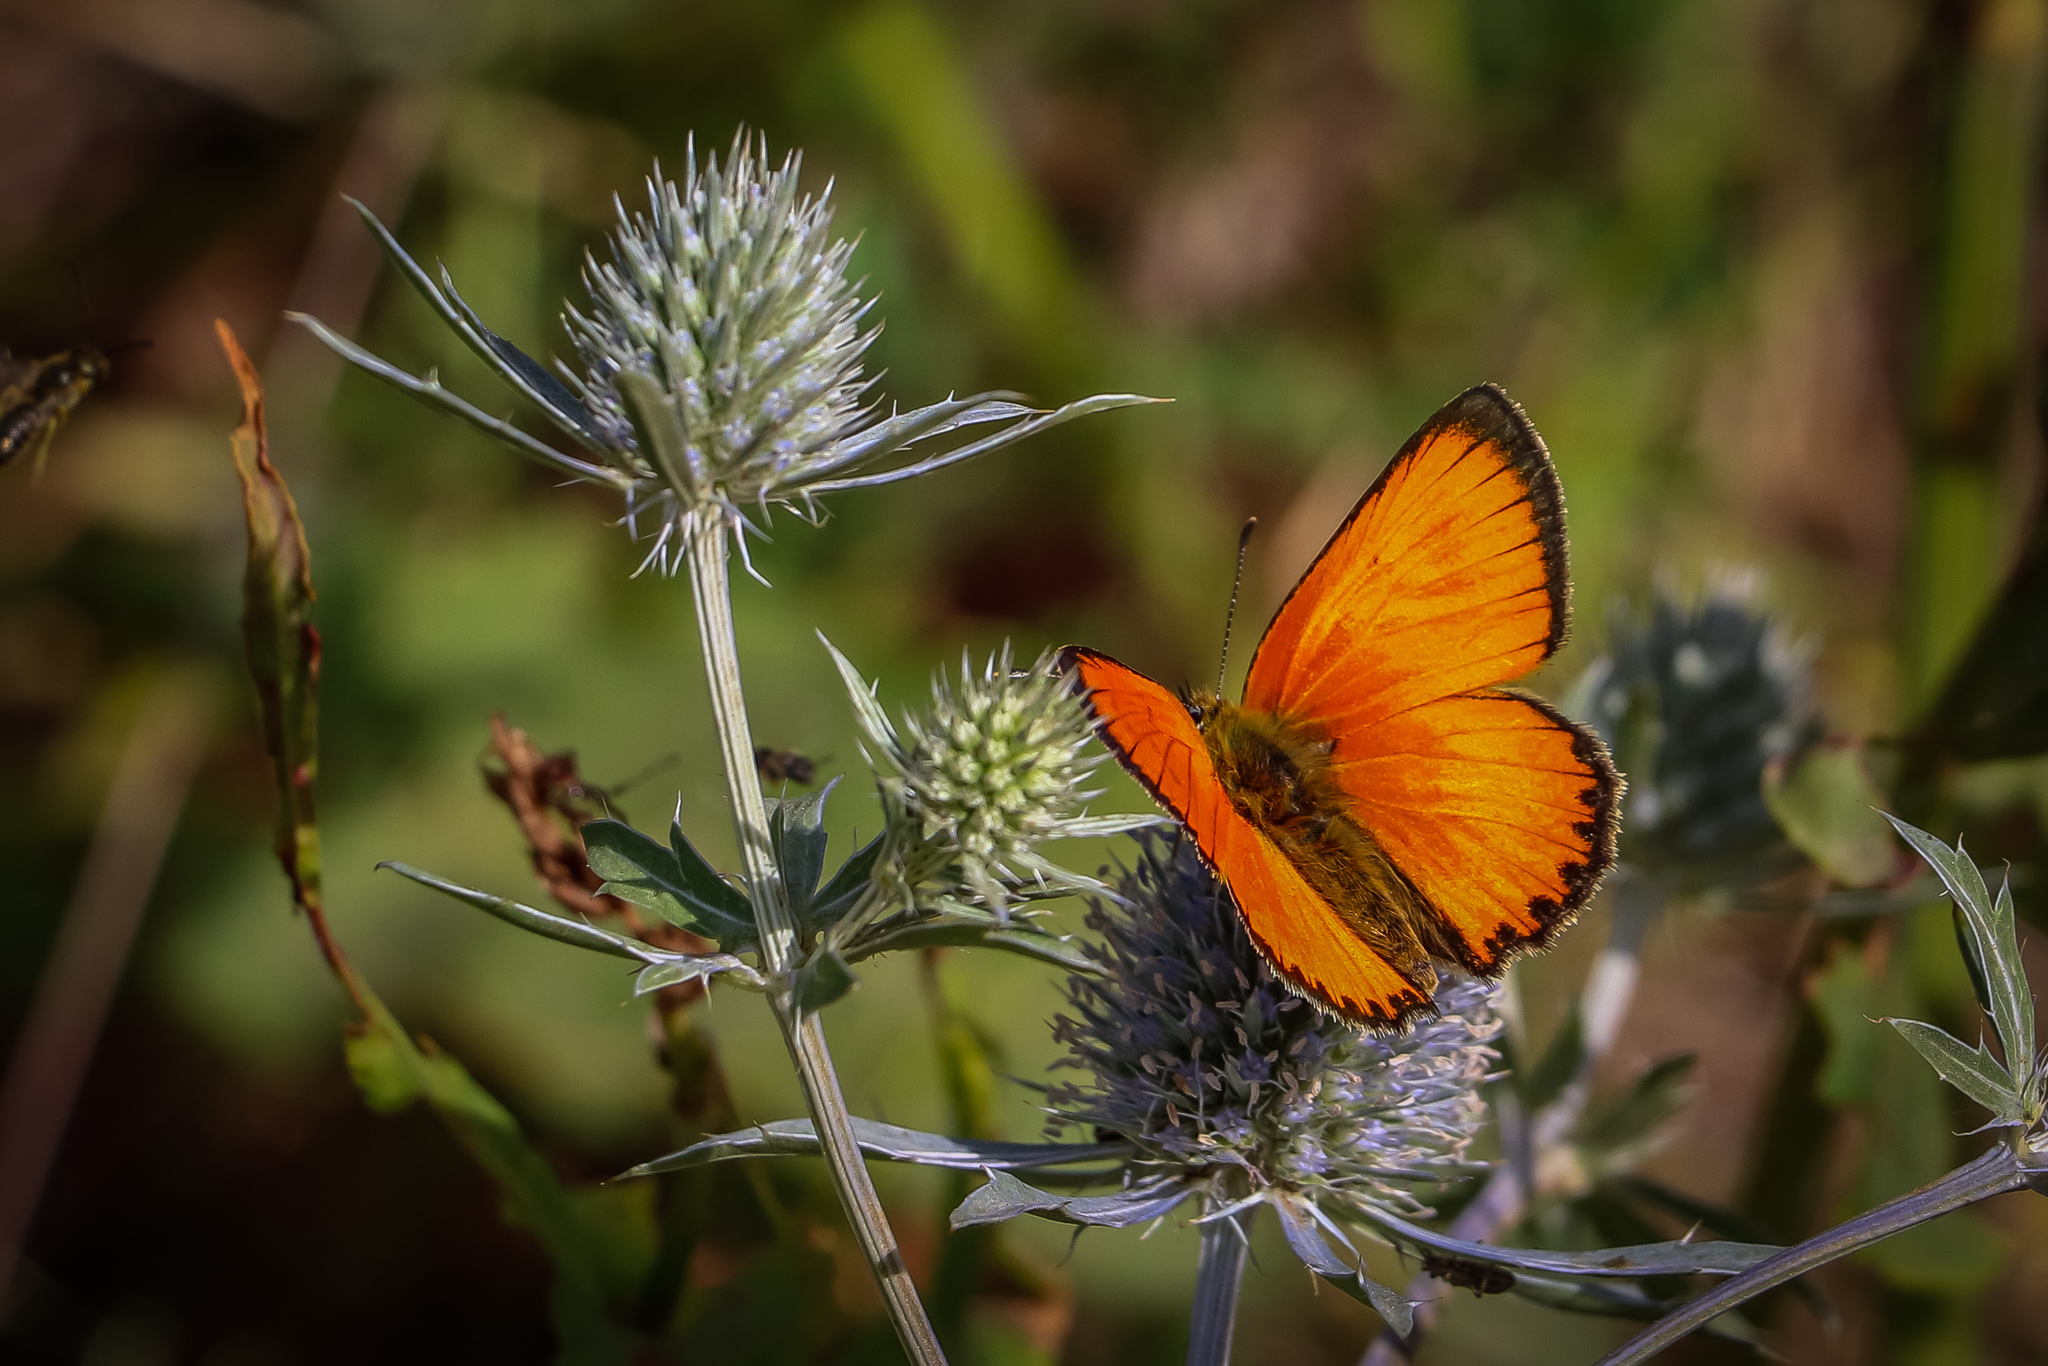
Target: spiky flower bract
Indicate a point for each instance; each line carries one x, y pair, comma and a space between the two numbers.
1201, 1056
1695, 700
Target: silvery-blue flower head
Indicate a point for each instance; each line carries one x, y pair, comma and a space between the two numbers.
1204, 1058
722, 347
1696, 699
720, 360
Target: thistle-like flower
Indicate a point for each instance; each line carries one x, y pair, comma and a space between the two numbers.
721, 359
1695, 701
970, 790
1220, 1076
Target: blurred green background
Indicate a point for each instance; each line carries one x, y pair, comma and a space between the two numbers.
1766, 274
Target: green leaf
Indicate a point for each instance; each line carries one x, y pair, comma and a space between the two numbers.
1005, 1197
1710, 1257
1827, 805
1096, 827
429, 390
796, 828
673, 969
1716, 1219
675, 883
1298, 1222
704, 881
1017, 937
279, 642
1656, 1096
1973, 1071
1994, 935
393, 1072
580, 933
796, 1138
382, 1070
874, 722
517, 368
844, 891
657, 428
822, 979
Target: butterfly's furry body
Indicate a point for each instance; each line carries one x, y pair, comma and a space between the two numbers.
1278, 774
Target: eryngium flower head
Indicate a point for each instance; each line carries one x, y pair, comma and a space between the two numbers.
731, 296
1694, 702
972, 789
721, 361
994, 769
1201, 1056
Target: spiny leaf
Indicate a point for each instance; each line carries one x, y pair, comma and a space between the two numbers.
1308, 1244
561, 928
673, 969
1994, 936
1649, 1259
796, 828
513, 365
874, 722
1005, 1197
823, 979
945, 932
675, 883
843, 892
1973, 1071
796, 1138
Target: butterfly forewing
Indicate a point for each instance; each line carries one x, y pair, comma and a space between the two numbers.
1448, 577
1305, 940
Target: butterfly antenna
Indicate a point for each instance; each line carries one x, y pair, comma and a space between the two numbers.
1244, 539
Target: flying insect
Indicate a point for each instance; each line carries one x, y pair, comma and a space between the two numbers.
37, 397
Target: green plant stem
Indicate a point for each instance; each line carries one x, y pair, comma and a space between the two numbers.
1501, 1203
1995, 1173
1217, 1280
802, 1033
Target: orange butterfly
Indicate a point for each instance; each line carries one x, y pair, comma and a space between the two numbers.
1376, 803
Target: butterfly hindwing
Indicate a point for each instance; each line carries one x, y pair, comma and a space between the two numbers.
1151, 733
1497, 809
